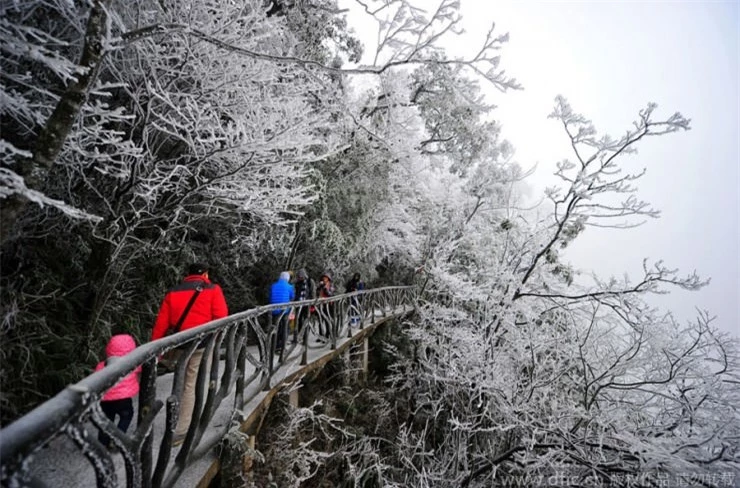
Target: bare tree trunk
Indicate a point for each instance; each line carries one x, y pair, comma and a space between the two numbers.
53, 135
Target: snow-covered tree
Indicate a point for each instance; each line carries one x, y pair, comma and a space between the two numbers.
137, 136
184, 138
521, 373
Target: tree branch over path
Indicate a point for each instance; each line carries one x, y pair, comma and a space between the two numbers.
497, 79
410, 38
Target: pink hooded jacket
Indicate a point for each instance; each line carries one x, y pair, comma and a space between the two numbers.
120, 345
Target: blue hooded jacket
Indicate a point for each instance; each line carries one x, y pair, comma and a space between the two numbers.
281, 292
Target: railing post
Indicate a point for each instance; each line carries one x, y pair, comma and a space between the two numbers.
304, 332
304, 319
241, 366
294, 312
270, 351
348, 315
332, 312
361, 309
147, 397
281, 329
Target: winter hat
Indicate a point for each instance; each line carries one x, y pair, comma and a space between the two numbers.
120, 345
284, 276
302, 275
197, 269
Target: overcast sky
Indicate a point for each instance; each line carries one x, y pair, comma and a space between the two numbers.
609, 59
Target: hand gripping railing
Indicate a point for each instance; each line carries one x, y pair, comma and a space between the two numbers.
233, 344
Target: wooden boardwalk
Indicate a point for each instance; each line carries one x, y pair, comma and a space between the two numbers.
62, 464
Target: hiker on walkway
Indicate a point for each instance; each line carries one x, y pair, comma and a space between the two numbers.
118, 401
281, 292
353, 285
325, 290
326, 286
305, 289
192, 303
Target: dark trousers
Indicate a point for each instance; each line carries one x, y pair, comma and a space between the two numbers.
282, 329
124, 408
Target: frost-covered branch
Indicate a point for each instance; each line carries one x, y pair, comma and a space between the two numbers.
56, 129
598, 177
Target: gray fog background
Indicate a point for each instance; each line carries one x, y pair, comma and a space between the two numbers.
610, 59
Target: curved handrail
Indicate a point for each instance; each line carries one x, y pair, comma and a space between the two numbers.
75, 411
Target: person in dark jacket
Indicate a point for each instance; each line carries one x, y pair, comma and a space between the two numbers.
326, 286
353, 285
281, 292
209, 305
305, 289
325, 290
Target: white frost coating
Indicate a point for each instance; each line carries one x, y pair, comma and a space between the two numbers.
13, 184
527, 364
10, 151
100, 460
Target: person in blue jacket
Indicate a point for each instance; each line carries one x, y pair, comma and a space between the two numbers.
281, 292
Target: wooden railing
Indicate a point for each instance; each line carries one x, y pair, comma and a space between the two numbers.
241, 351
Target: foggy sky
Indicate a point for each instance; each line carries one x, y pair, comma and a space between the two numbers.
610, 60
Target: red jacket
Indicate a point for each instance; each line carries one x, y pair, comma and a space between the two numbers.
210, 305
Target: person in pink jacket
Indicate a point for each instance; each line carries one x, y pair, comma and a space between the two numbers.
118, 401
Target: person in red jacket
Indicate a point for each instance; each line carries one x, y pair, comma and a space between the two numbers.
209, 305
